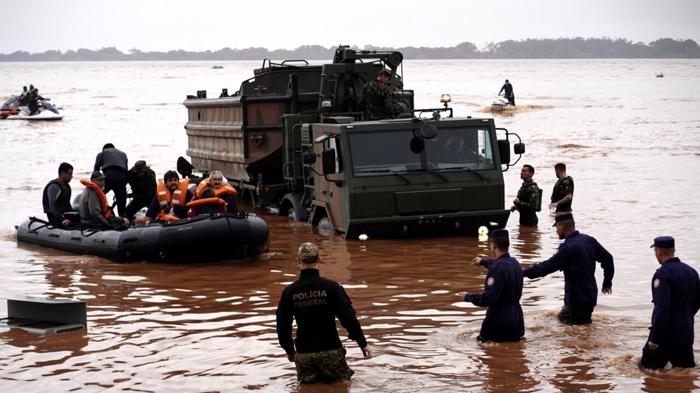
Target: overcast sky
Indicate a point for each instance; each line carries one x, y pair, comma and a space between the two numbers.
39, 25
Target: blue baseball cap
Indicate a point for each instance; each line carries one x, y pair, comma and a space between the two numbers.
664, 242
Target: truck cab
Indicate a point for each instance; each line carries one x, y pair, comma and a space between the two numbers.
408, 176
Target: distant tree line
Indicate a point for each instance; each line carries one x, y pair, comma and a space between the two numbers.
561, 48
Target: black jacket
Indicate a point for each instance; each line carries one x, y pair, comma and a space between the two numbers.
315, 302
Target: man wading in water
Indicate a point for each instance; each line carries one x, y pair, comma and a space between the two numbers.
315, 301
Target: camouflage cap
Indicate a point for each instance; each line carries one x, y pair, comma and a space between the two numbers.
308, 252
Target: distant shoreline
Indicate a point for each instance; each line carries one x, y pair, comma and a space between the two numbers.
561, 48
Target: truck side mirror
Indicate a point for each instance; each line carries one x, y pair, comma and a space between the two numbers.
504, 150
519, 148
328, 161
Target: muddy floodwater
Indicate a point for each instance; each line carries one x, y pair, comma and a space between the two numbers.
631, 142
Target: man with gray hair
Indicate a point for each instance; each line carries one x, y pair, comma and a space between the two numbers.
315, 302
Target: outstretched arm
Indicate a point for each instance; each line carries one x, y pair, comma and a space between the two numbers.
551, 265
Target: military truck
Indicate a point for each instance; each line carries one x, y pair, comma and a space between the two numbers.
295, 139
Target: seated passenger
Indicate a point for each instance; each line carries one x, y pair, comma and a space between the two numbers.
221, 188
207, 204
95, 212
56, 198
143, 184
170, 202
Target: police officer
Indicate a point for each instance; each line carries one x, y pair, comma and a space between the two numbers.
528, 198
576, 257
563, 192
675, 291
502, 292
315, 302
114, 163
376, 97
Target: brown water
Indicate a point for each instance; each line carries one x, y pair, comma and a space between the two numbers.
632, 144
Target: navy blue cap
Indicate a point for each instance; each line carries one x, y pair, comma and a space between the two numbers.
563, 218
664, 242
498, 233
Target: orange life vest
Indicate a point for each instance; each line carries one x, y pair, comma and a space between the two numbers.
195, 205
165, 198
218, 192
106, 209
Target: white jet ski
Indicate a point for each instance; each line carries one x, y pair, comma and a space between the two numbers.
500, 103
46, 111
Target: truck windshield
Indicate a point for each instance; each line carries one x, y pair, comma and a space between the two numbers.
453, 148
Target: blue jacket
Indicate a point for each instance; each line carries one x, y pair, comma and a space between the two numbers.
576, 257
675, 290
502, 290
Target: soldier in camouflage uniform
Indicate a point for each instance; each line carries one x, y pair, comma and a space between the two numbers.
315, 302
376, 97
528, 197
563, 192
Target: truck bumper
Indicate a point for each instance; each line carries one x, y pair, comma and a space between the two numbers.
426, 224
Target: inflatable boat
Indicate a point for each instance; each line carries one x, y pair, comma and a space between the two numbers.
195, 239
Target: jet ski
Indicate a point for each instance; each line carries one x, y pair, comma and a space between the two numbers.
500, 103
46, 111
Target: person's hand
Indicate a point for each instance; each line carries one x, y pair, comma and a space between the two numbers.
476, 261
65, 222
126, 221
367, 352
553, 205
516, 201
607, 291
652, 346
290, 356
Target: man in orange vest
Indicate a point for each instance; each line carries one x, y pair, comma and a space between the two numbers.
170, 202
221, 189
95, 212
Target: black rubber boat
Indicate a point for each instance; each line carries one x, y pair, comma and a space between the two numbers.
195, 239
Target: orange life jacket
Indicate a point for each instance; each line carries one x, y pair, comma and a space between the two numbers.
218, 192
106, 209
196, 204
166, 199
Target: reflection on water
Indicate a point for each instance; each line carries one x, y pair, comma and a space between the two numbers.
210, 327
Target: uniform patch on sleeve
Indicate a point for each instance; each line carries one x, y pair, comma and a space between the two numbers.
490, 281
656, 283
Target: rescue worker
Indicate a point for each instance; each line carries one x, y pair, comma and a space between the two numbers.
221, 188
142, 180
170, 202
95, 212
376, 97
502, 291
675, 290
24, 96
33, 100
56, 198
315, 302
528, 199
507, 89
115, 165
563, 192
576, 257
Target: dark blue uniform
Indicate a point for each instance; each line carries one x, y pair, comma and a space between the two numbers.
675, 291
576, 257
502, 292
